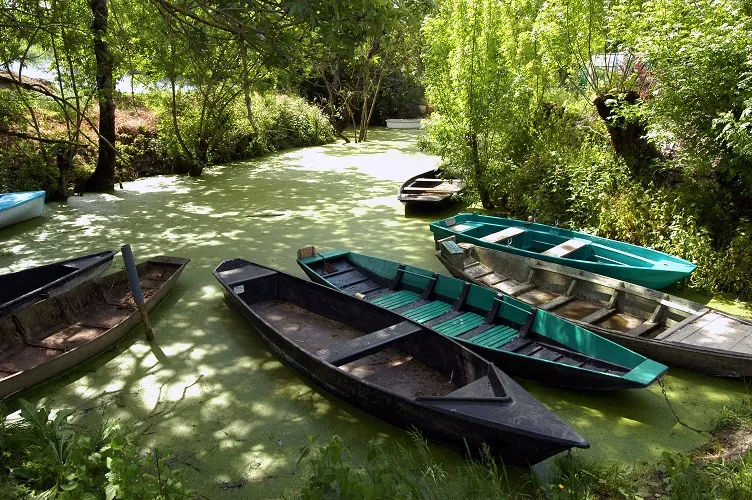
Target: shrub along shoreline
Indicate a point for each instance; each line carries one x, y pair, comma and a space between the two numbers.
148, 144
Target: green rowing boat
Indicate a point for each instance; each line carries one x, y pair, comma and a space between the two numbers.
632, 263
522, 340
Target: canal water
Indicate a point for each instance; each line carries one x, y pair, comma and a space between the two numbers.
233, 417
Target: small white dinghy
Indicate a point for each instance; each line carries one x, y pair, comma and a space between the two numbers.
18, 207
403, 123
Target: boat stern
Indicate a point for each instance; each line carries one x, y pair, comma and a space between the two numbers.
646, 373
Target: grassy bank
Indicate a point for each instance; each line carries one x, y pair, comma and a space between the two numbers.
721, 468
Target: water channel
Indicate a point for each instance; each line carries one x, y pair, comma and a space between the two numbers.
207, 391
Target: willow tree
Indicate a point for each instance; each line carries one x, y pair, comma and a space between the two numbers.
472, 65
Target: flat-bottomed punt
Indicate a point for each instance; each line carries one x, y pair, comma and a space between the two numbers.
23, 288
54, 335
392, 368
623, 261
522, 340
18, 207
666, 328
429, 190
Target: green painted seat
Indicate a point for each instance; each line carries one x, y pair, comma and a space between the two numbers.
495, 337
427, 312
459, 324
396, 300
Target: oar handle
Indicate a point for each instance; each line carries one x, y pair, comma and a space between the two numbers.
135, 284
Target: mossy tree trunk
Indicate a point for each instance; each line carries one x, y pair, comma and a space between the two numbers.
103, 178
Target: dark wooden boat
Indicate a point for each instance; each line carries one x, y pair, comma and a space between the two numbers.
54, 335
392, 368
23, 288
429, 190
522, 340
669, 329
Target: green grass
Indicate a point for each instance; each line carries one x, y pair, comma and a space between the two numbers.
404, 472
735, 416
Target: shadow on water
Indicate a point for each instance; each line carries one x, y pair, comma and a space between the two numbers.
208, 390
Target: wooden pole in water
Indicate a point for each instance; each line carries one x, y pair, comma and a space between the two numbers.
138, 296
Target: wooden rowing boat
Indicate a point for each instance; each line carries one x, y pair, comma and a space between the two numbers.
523, 340
392, 368
429, 190
18, 207
666, 328
23, 288
57, 334
632, 263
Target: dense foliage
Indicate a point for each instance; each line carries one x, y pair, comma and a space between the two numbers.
629, 120
42, 456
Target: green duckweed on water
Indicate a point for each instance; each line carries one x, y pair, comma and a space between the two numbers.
233, 417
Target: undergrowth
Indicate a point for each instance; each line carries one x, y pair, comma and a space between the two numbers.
411, 472
43, 456
401, 473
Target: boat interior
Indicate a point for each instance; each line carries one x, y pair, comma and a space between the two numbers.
54, 326
455, 309
359, 339
570, 293
554, 243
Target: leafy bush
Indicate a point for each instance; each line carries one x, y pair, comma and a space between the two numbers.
400, 97
43, 457
281, 122
401, 474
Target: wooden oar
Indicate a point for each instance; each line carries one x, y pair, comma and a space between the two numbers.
135, 284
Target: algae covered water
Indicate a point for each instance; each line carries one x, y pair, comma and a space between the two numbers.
208, 391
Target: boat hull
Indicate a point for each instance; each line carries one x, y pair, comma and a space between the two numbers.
18, 207
639, 265
403, 123
427, 200
619, 368
61, 361
443, 425
24, 288
635, 306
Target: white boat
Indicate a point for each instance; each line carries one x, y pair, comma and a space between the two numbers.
403, 123
17, 207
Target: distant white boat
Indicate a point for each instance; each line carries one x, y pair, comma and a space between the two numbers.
17, 207
403, 123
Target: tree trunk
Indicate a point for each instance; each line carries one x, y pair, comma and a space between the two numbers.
103, 178
64, 156
485, 196
628, 137
247, 85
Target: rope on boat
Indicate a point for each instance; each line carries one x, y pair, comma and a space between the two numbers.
676, 416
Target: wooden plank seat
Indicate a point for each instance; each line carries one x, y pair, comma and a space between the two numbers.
429, 179
441, 188
566, 248
344, 352
505, 234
